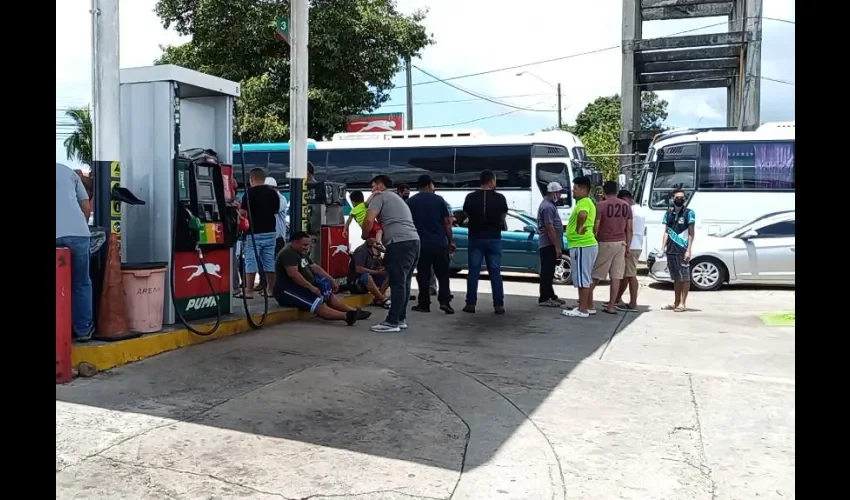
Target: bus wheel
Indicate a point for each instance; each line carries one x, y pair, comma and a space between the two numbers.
707, 274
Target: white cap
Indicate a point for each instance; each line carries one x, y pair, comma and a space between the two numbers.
554, 187
270, 181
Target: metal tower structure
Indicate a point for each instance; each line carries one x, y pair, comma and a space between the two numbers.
730, 60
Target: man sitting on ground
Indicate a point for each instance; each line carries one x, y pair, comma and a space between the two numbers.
367, 275
306, 286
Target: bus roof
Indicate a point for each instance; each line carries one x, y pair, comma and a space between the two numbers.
423, 138
767, 132
269, 146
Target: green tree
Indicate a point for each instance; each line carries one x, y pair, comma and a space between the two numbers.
607, 110
78, 145
602, 142
356, 48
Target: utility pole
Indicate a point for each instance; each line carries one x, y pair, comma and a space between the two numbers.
106, 104
560, 121
298, 82
408, 69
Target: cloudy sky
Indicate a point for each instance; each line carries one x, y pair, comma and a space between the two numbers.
473, 36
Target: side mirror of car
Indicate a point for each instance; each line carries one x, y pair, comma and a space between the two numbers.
530, 229
752, 233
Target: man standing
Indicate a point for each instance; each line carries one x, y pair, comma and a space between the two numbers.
402, 244
583, 247
486, 211
262, 203
306, 286
613, 230
72, 231
677, 242
434, 224
551, 231
630, 274
280, 217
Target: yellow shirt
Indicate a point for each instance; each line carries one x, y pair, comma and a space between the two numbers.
574, 239
359, 213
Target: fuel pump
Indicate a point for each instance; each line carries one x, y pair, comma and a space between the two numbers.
204, 232
326, 224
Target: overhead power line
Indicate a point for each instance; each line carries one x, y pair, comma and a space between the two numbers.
480, 119
454, 101
569, 56
482, 96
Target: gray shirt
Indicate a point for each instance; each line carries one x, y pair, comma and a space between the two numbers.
547, 213
70, 191
394, 217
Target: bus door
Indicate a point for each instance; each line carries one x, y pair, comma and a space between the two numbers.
547, 170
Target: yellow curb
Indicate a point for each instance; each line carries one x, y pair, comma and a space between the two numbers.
111, 354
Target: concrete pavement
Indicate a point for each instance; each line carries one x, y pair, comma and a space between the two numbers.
525, 406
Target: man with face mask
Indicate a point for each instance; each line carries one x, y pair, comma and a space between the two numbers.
306, 286
551, 230
403, 190
677, 242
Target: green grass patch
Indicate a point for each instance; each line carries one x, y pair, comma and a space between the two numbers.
785, 318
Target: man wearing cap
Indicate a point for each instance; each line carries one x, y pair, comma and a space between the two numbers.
434, 224
551, 231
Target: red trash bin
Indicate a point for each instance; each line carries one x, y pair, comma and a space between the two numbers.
63, 316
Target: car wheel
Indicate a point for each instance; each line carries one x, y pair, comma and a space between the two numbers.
563, 271
707, 274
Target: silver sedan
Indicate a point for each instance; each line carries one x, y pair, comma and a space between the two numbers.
759, 252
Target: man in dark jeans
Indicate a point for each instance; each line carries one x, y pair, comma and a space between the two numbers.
551, 230
434, 224
402, 244
486, 211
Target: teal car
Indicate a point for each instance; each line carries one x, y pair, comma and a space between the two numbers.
519, 246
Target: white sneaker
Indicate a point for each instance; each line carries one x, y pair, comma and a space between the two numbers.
591, 312
575, 313
386, 328
402, 325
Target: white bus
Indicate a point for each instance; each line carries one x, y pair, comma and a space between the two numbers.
523, 165
728, 177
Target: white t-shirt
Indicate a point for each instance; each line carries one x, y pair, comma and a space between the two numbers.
638, 227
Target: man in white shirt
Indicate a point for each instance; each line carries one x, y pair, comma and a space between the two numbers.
280, 218
630, 275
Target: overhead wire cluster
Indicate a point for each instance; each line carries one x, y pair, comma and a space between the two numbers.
477, 96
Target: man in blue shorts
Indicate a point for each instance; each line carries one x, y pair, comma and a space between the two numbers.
306, 286
367, 275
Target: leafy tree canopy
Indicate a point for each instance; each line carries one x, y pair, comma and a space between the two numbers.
356, 48
598, 125
607, 110
78, 145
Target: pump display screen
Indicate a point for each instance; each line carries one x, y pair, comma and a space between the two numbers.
205, 192
203, 171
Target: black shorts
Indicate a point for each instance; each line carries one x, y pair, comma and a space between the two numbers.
301, 298
677, 267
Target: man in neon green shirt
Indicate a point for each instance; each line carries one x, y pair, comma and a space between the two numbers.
583, 247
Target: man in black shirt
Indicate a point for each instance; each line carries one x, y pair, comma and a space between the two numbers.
433, 222
486, 211
306, 286
261, 203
